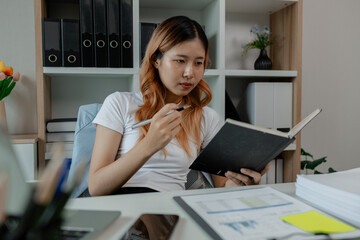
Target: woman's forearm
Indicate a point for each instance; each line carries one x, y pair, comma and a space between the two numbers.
107, 179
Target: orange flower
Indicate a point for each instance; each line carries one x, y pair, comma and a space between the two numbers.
9, 71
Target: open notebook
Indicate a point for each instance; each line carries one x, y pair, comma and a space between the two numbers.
242, 145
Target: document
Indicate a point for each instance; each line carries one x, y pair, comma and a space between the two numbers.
337, 193
248, 214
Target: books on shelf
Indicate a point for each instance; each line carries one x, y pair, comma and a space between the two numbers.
68, 146
61, 125
60, 137
337, 193
241, 145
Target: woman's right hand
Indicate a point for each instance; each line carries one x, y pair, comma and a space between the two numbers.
163, 127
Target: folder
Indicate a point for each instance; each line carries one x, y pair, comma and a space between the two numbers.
99, 14
51, 42
113, 33
70, 43
146, 30
126, 16
86, 33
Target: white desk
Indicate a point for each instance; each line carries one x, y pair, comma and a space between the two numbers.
133, 205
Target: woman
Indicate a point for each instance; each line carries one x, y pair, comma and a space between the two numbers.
157, 156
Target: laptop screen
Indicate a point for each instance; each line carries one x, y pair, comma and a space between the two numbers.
18, 190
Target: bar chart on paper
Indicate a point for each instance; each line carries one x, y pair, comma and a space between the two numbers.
248, 214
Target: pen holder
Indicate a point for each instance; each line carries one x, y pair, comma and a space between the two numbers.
28, 221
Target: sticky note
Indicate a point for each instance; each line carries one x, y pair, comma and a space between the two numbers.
315, 222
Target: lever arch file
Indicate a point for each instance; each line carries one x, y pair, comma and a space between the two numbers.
51, 42
99, 11
146, 30
113, 33
70, 43
86, 33
126, 33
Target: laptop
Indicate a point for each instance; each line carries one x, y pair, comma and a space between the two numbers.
77, 224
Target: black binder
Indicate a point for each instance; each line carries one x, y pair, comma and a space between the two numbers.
86, 33
113, 33
99, 10
126, 16
51, 42
70, 43
146, 31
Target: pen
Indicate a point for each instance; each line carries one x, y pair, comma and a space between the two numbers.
142, 123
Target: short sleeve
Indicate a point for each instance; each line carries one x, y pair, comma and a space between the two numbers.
111, 114
211, 124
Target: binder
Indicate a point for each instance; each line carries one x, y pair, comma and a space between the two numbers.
126, 16
70, 43
269, 104
51, 42
99, 11
146, 30
86, 33
113, 33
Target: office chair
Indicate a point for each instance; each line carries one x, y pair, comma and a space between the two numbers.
84, 142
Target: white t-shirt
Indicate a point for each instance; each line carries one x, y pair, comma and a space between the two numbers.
159, 173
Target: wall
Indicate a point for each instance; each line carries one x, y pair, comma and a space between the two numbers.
331, 60
17, 49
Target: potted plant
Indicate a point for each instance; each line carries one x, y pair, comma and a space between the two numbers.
307, 164
262, 40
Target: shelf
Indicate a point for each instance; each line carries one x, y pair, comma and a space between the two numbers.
212, 72
291, 147
184, 4
88, 72
260, 73
256, 6
24, 138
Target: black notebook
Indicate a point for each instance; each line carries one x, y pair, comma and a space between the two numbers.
242, 145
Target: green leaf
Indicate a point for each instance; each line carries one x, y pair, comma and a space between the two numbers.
7, 91
331, 170
312, 165
306, 153
317, 172
304, 164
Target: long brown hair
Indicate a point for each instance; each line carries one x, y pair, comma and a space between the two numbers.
169, 33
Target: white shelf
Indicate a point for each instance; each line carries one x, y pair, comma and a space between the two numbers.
256, 6
260, 73
291, 147
212, 72
89, 72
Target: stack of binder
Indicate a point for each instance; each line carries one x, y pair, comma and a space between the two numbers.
336, 193
102, 36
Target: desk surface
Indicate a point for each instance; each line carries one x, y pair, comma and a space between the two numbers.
133, 205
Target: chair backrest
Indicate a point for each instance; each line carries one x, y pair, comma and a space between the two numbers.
84, 142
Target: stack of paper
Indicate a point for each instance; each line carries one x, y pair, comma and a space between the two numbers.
337, 193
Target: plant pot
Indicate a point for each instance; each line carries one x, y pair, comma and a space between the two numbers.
3, 122
263, 62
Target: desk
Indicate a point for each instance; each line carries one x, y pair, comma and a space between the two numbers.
133, 205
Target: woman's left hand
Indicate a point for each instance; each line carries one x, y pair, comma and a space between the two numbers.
245, 177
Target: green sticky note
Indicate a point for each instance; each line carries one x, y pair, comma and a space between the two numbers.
315, 222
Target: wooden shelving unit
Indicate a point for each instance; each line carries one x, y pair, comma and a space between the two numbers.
284, 18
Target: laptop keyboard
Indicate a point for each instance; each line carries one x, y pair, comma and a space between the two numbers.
70, 234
